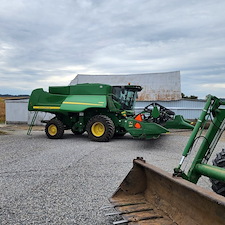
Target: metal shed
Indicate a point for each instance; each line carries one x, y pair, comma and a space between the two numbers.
16, 111
156, 86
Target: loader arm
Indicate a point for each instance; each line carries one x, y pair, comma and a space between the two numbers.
149, 195
212, 111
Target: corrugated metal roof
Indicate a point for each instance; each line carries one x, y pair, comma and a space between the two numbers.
11, 100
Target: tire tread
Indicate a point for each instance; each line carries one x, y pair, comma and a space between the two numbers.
219, 186
60, 128
109, 128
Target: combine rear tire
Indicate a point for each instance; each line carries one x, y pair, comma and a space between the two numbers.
54, 129
219, 186
100, 128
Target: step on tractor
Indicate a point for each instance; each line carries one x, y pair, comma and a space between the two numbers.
103, 111
149, 195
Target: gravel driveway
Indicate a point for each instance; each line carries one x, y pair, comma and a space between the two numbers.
68, 181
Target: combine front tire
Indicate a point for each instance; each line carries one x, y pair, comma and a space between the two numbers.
54, 129
219, 186
100, 128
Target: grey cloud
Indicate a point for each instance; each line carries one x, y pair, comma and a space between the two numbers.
41, 39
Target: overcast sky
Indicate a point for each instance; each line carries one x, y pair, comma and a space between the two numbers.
48, 42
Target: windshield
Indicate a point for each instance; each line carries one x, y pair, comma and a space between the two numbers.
126, 97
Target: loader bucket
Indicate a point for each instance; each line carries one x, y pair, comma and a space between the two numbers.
149, 195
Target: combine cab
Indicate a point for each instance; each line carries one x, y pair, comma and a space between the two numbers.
149, 195
102, 110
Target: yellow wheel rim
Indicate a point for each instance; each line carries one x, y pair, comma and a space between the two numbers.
98, 129
52, 130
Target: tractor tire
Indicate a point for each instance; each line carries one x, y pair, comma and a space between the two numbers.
219, 186
54, 129
100, 128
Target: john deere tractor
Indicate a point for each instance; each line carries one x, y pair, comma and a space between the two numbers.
102, 110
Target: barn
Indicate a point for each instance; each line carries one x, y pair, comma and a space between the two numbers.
156, 86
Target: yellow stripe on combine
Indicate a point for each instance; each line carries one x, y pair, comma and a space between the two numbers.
46, 107
82, 103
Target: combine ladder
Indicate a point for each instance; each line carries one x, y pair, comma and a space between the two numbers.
32, 123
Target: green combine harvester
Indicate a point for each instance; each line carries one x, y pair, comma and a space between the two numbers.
103, 111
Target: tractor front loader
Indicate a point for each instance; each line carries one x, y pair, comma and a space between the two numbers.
103, 111
149, 195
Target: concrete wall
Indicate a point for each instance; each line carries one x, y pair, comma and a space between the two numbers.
156, 86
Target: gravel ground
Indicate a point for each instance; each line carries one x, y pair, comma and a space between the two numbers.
68, 181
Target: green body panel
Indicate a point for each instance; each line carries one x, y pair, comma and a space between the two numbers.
113, 105
147, 130
60, 90
82, 89
44, 101
54, 103
79, 103
199, 164
155, 112
178, 123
